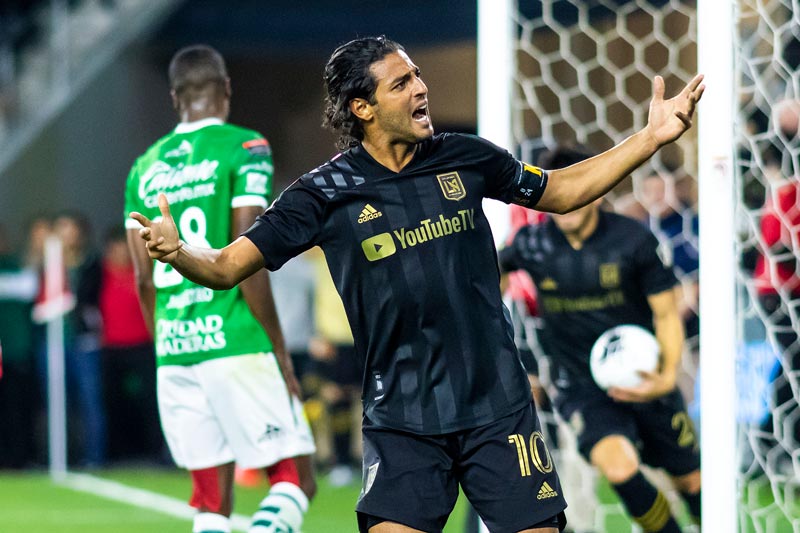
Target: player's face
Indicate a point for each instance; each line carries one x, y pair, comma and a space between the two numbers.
576, 221
401, 108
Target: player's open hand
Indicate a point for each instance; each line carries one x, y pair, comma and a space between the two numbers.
161, 236
653, 385
669, 119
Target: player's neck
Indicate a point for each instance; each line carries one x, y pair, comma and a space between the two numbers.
394, 156
203, 108
187, 117
579, 235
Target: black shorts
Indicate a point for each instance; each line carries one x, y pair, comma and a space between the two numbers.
661, 429
504, 468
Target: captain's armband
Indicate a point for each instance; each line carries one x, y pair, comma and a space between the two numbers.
529, 185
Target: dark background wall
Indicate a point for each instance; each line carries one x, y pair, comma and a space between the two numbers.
275, 51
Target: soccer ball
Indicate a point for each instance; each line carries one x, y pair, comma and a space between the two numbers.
620, 353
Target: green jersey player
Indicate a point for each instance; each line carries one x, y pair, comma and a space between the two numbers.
226, 388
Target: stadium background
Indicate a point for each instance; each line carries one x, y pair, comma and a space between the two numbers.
275, 52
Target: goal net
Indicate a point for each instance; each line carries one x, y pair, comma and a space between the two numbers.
583, 76
767, 169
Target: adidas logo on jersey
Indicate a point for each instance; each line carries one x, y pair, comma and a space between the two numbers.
368, 213
546, 491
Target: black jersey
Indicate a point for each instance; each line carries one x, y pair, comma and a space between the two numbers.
582, 293
412, 256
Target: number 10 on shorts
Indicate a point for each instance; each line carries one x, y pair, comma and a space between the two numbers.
539, 454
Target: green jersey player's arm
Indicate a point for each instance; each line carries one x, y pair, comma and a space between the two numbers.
257, 292
218, 269
143, 271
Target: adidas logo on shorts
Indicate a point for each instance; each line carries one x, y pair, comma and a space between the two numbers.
368, 213
546, 492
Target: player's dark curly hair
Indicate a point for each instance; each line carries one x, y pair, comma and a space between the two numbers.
346, 77
196, 68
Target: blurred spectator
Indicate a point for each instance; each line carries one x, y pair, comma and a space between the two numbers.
627, 205
777, 274
38, 229
18, 386
334, 354
82, 328
128, 359
686, 191
676, 225
786, 118
674, 222
293, 287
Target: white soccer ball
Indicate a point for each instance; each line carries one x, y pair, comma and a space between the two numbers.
620, 353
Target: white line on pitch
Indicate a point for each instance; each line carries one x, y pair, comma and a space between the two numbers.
111, 490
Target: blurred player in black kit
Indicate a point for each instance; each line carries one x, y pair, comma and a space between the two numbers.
398, 215
594, 270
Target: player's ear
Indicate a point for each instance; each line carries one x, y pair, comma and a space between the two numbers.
176, 105
361, 109
228, 90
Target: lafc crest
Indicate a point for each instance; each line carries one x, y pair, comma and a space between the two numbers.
609, 275
451, 185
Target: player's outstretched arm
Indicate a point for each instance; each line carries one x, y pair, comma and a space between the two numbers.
214, 268
579, 184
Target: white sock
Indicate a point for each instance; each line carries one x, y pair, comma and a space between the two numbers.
281, 511
211, 523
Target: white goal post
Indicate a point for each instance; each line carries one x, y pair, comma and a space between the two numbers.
718, 331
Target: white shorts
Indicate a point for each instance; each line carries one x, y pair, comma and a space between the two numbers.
231, 409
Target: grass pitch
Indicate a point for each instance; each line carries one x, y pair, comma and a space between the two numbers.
32, 503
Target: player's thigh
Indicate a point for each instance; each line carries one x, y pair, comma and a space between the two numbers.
509, 476
191, 429
261, 422
593, 417
407, 479
668, 435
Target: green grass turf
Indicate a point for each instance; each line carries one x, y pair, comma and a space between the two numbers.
30, 503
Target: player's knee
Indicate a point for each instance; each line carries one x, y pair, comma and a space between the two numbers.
689, 483
616, 458
617, 473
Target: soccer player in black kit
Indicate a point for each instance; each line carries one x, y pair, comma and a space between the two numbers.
594, 270
398, 215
